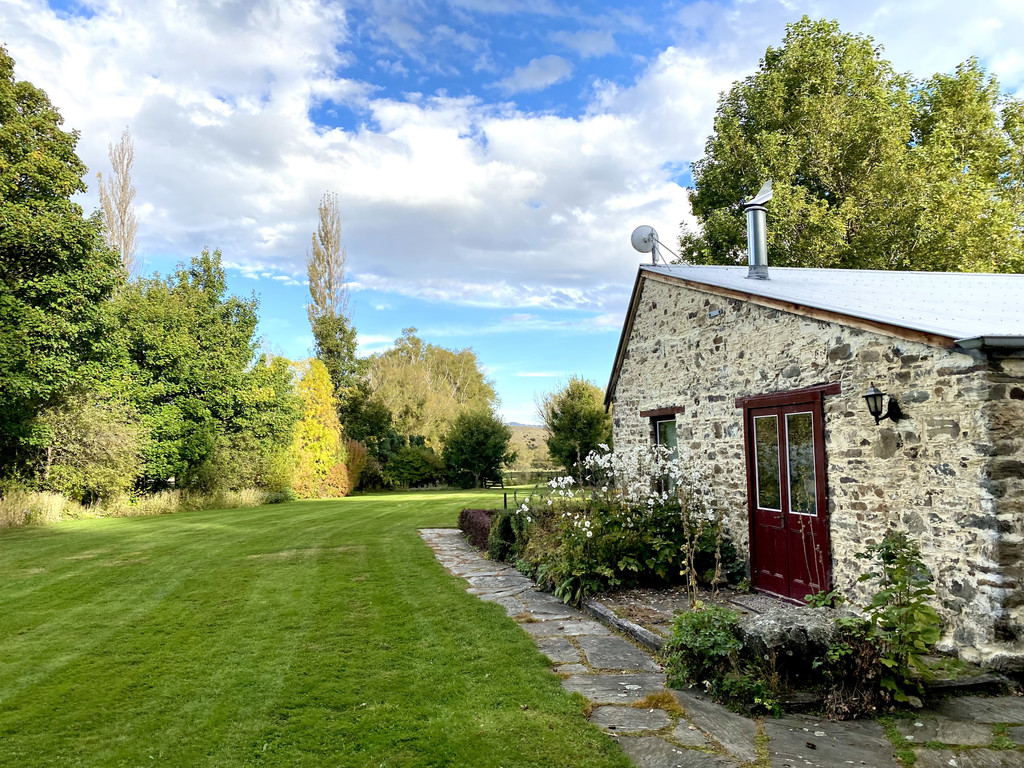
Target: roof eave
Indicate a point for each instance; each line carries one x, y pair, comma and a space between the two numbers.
627, 329
1004, 345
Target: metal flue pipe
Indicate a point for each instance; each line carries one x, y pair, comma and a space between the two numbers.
757, 236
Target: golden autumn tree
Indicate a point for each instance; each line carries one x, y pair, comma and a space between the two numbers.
318, 449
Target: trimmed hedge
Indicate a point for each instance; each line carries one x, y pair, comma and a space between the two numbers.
476, 524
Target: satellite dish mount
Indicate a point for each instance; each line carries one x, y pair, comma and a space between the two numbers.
645, 240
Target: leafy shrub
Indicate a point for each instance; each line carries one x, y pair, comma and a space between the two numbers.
607, 537
851, 670
706, 650
476, 524
356, 460
414, 466
906, 625
704, 643
501, 541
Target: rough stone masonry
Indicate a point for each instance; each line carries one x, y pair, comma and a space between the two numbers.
951, 473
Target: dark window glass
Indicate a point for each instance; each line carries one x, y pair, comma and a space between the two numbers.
766, 452
800, 455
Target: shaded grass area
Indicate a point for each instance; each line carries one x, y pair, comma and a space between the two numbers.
302, 634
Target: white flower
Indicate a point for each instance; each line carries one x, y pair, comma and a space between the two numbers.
529, 519
590, 534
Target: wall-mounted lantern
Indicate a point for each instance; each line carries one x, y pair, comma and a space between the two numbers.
874, 399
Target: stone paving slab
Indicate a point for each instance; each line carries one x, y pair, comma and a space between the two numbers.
978, 709
734, 732
835, 744
512, 604
558, 649
946, 731
564, 628
629, 719
689, 735
652, 752
499, 583
615, 653
545, 606
1016, 734
571, 669
969, 758
615, 689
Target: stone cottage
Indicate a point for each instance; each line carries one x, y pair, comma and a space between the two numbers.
762, 384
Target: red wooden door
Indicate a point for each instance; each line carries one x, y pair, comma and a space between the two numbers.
789, 531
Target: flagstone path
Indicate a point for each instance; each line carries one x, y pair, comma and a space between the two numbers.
685, 730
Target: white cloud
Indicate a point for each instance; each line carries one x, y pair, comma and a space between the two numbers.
537, 75
443, 198
587, 43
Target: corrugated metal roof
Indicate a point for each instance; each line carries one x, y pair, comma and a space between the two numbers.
959, 305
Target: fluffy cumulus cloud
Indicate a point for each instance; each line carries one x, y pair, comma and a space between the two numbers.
521, 196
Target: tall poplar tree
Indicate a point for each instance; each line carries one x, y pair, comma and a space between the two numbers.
117, 202
333, 335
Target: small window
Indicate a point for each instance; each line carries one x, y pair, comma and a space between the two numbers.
665, 436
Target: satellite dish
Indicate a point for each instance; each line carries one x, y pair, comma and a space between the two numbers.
644, 238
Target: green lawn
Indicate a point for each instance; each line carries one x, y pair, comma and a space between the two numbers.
304, 634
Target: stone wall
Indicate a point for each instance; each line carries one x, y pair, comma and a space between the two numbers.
951, 473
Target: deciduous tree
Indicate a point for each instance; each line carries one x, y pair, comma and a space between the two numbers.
476, 448
577, 422
56, 333
870, 170
425, 387
318, 449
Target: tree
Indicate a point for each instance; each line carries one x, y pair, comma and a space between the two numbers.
425, 387
117, 198
476, 448
869, 169
577, 423
318, 449
93, 448
190, 348
333, 335
56, 332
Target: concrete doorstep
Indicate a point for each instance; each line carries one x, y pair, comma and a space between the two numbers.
684, 729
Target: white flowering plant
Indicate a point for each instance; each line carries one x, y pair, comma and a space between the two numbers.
636, 518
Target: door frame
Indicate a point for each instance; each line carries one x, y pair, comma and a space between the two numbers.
808, 396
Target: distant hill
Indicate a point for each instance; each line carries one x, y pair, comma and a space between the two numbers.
529, 441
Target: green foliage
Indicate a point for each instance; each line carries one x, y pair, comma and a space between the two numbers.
870, 170
334, 340
501, 544
414, 466
704, 642
906, 624
705, 650
851, 669
424, 387
577, 423
476, 447
825, 599
93, 448
55, 273
577, 547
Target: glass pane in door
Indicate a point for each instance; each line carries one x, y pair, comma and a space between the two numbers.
766, 455
800, 456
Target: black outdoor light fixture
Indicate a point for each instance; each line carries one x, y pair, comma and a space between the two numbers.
874, 399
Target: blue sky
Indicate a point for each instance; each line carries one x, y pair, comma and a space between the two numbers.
491, 157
